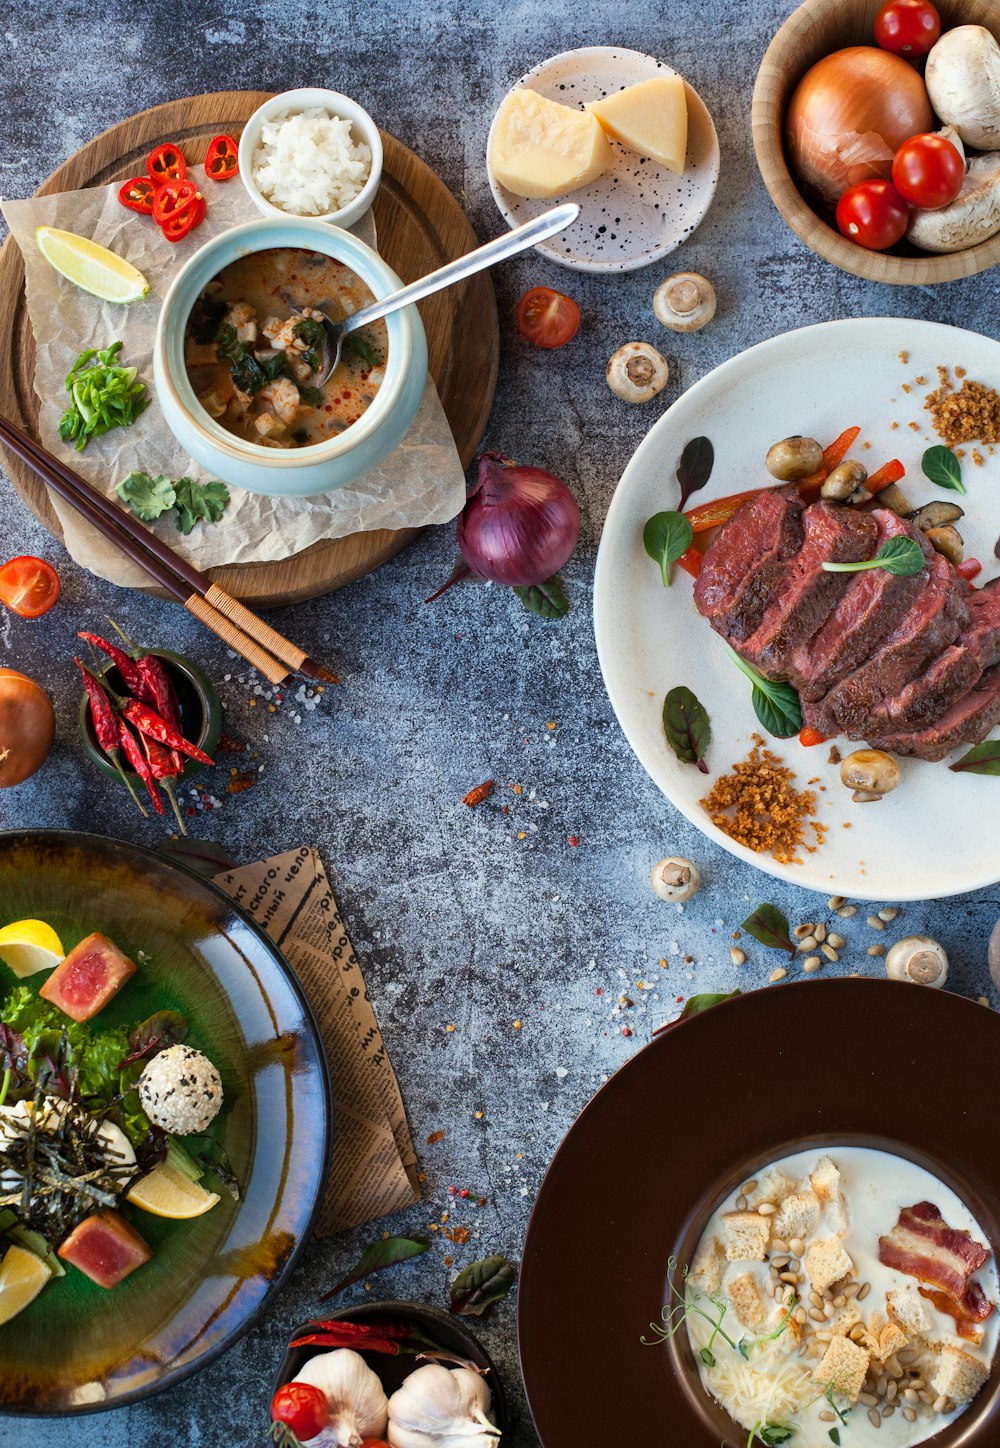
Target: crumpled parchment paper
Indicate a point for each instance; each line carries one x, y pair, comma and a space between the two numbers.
421, 482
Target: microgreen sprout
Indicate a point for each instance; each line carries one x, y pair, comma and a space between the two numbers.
770, 1434
746, 1345
673, 1314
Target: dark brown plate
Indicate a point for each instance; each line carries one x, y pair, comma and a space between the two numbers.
852, 1062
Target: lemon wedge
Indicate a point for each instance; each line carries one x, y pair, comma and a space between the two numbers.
22, 1277
29, 946
91, 267
167, 1192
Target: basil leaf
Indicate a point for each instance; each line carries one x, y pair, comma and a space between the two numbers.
481, 1284
778, 708
942, 467
667, 537
378, 1256
770, 927
981, 759
902, 556
547, 599
773, 1433
363, 347
695, 467
685, 723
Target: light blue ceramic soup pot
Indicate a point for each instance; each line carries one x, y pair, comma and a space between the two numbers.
291, 472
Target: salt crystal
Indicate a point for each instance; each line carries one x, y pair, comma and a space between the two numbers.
679, 909
544, 1105
561, 1071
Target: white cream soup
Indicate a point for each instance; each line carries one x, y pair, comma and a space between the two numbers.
839, 1201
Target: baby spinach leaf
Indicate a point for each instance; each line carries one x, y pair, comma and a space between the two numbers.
686, 725
147, 497
379, 1255
695, 466
481, 1284
547, 599
942, 467
667, 537
981, 759
775, 703
902, 556
770, 927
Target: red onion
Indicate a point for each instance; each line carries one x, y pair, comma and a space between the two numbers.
520, 525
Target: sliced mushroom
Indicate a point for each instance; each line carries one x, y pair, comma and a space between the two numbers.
917, 959
844, 481
870, 773
794, 458
895, 499
974, 216
685, 302
637, 372
936, 515
676, 879
963, 83
947, 541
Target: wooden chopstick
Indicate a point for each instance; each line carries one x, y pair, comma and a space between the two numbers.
236, 625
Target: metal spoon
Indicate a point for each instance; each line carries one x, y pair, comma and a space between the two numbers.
502, 247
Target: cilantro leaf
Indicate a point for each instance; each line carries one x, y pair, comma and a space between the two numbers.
147, 497
199, 501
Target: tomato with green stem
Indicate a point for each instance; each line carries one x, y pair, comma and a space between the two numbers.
873, 214
928, 171
907, 27
300, 1407
28, 586
548, 318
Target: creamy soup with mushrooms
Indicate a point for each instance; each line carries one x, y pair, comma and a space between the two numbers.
254, 352
847, 1296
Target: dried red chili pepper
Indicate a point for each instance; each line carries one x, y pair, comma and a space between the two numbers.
105, 726
137, 194
139, 763
222, 159
481, 792
126, 667
165, 765
166, 163
159, 692
147, 721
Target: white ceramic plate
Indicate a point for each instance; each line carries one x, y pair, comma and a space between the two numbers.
637, 211
936, 835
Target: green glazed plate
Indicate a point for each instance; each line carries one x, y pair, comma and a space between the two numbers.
78, 1348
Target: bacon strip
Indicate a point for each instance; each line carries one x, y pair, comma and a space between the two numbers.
922, 1245
973, 1309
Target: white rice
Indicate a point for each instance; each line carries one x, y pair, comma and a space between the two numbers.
307, 164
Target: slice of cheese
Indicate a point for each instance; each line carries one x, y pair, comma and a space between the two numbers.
542, 149
650, 118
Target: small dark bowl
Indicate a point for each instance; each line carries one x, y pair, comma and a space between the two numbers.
448, 1331
200, 711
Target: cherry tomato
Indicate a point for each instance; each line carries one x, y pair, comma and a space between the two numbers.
907, 27
547, 318
928, 171
873, 214
28, 586
303, 1407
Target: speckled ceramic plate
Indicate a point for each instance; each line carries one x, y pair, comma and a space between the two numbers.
699, 1110
78, 1348
638, 210
936, 834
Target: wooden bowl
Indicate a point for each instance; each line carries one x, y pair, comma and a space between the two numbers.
813, 30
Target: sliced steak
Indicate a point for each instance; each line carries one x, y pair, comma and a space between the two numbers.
746, 563
966, 722
872, 605
806, 594
933, 621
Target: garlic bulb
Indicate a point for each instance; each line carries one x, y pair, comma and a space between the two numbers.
963, 82
358, 1406
439, 1407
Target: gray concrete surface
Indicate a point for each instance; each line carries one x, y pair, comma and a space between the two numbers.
456, 920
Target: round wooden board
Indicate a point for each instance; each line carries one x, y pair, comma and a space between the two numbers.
420, 227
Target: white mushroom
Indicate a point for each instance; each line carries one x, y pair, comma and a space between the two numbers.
963, 83
870, 773
684, 302
794, 458
637, 372
918, 959
676, 879
974, 216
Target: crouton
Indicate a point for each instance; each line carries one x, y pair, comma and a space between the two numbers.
773, 1185
825, 1180
835, 1215
844, 1318
745, 1236
798, 1216
956, 1374
826, 1263
708, 1268
891, 1340
747, 1301
906, 1307
844, 1368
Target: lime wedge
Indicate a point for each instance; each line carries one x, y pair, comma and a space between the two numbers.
91, 267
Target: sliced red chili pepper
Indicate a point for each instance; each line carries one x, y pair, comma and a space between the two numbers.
137, 194
811, 737
969, 569
888, 473
176, 227
173, 197
222, 159
166, 163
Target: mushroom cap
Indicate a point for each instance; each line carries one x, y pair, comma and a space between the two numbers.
685, 302
675, 878
871, 772
637, 372
793, 458
919, 959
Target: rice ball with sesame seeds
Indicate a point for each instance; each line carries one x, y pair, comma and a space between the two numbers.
180, 1090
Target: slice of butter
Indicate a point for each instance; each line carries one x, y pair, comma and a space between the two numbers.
650, 118
542, 149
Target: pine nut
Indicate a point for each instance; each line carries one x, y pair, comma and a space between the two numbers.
780, 1263
868, 1400
876, 950
807, 944
796, 1246
876, 923
815, 1299
836, 901
800, 1315
940, 1404
737, 956
880, 1387
769, 1286
811, 964
874, 1417
852, 1289
888, 1410
837, 941
828, 1310
891, 1390
840, 1300
909, 1415
801, 931
822, 1336
741, 1203
829, 951
748, 1187
863, 1293
820, 931
816, 1314
887, 914
767, 1209
778, 1246
790, 1277
846, 911
778, 974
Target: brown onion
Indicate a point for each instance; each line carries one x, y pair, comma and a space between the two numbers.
849, 115
27, 727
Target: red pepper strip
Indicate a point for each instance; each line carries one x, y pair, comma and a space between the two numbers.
837, 450
139, 763
166, 163
691, 561
809, 737
222, 159
159, 691
327, 1339
126, 667
137, 194
176, 227
889, 473
172, 198
969, 568
149, 722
